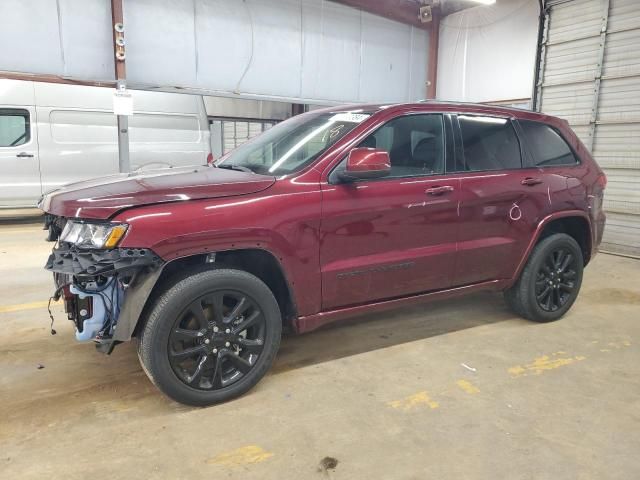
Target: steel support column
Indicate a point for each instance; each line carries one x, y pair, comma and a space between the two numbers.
432, 61
540, 66
117, 26
596, 86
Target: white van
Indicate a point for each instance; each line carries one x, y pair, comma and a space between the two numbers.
53, 134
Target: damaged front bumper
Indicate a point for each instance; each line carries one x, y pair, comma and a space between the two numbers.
104, 291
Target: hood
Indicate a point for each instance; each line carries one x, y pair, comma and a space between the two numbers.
104, 197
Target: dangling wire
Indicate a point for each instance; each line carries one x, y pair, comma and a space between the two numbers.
55, 296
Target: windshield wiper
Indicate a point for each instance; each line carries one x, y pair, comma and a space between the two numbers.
239, 168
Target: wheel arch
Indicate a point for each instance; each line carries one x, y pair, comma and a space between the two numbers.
574, 223
577, 227
259, 262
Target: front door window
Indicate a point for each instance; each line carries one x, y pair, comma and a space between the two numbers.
415, 144
14, 127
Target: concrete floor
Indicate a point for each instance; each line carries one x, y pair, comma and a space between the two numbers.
456, 389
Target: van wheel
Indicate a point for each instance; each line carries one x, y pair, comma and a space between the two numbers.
211, 337
550, 281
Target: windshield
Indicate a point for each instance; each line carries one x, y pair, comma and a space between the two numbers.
293, 144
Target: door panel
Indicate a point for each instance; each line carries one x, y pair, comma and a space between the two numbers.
501, 206
387, 238
498, 216
80, 144
20, 180
495, 216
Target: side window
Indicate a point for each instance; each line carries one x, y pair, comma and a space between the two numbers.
546, 145
489, 143
415, 144
14, 127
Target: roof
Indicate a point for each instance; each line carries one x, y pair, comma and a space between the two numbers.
436, 105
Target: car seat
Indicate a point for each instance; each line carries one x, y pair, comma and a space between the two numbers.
426, 155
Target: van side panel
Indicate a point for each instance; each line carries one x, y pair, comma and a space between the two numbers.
76, 145
167, 139
77, 135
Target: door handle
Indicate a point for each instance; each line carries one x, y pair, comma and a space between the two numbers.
530, 181
439, 190
24, 155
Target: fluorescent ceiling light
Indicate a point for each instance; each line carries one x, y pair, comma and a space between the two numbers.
484, 2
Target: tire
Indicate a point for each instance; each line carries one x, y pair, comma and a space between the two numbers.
181, 321
524, 296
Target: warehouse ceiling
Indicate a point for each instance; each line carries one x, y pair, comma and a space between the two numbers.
447, 7
316, 52
407, 11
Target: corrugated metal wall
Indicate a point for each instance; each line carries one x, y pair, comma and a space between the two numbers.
590, 75
236, 132
229, 133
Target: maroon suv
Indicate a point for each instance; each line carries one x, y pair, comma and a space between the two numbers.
330, 214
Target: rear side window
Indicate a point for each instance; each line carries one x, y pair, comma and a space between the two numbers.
547, 147
489, 143
14, 127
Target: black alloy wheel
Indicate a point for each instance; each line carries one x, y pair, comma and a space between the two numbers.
210, 336
555, 279
550, 280
217, 340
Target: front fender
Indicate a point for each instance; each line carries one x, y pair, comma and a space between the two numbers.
140, 290
297, 255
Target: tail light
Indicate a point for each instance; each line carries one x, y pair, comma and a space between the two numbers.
602, 181
210, 159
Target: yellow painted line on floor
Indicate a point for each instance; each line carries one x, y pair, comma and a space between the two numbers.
420, 399
23, 230
24, 306
616, 346
543, 363
467, 386
241, 456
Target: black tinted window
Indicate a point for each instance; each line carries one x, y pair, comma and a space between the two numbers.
489, 143
546, 145
415, 144
14, 127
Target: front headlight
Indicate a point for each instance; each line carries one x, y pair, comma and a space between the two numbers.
93, 235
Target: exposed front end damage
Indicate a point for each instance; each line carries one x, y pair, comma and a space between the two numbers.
104, 290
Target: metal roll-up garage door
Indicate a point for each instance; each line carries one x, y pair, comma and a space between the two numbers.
590, 75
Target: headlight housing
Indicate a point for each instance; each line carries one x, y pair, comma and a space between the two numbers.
93, 235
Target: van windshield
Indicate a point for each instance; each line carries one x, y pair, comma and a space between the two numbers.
292, 144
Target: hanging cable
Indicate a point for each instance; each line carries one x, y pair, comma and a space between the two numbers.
246, 68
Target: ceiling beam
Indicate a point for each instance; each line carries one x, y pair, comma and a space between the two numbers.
432, 60
119, 55
403, 11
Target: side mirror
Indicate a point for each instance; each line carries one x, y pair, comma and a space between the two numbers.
365, 164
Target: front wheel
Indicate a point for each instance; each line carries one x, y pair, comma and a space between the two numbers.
211, 336
550, 281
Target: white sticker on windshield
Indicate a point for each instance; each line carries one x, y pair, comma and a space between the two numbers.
349, 117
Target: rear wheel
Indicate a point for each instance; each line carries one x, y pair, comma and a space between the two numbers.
550, 281
211, 337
